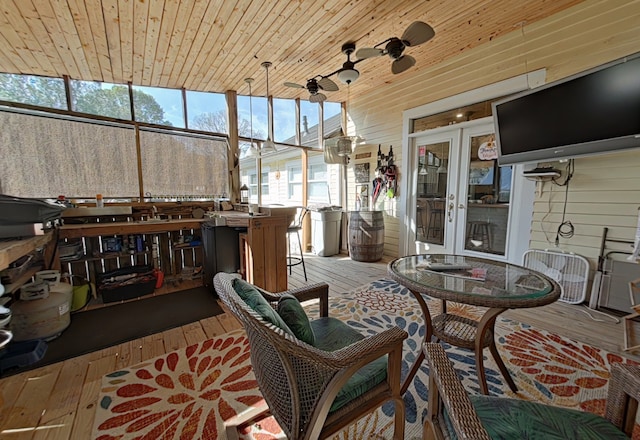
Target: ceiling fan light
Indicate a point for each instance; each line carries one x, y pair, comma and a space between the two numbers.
348, 76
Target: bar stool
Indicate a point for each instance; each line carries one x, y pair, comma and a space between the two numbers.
478, 235
421, 217
294, 228
436, 218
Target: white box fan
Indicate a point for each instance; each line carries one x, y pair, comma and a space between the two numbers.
569, 270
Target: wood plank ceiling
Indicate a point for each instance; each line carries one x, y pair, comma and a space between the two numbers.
213, 45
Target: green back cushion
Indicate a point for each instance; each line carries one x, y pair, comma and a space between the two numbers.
333, 334
507, 419
256, 301
292, 313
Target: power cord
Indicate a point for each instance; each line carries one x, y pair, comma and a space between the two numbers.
613, 318
565, 229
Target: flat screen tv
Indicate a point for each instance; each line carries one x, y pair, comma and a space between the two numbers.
597, 111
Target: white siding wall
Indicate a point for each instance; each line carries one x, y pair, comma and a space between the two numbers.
604, 192
590, 34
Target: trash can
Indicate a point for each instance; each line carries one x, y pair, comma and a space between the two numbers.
221, 251
325, 232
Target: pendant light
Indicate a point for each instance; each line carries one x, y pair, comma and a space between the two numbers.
345, 144
268, 146
253, 149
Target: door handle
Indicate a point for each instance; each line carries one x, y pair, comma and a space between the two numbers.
461, 206
450, 212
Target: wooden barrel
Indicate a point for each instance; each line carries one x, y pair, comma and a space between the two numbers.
366, 235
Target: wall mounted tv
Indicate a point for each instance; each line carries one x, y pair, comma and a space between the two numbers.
597, 111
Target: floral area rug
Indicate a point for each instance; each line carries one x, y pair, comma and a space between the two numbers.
189, 393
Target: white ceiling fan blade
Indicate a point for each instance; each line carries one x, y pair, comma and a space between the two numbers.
403, 63
369, 52
290, 84
417, 33
328, 85
318, 97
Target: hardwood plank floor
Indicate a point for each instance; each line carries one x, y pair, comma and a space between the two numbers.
58, 401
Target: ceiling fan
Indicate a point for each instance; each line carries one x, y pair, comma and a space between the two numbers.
417, 33
314, 86
347, 73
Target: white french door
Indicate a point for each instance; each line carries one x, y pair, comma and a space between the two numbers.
462, 196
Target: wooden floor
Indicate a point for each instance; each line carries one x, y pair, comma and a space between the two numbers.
58, 401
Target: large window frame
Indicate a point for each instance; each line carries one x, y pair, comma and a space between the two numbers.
124, 102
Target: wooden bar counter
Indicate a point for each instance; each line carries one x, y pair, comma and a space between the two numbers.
264, 245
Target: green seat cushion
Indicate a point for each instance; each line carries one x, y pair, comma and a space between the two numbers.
292, 313
508, 419
332, 334
256, 301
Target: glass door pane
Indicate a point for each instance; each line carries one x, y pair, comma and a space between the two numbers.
488, 192
431, 192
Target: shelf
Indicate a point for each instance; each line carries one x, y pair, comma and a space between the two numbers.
104, 257
183, 247
126, 228
11, 250
542, 176
26, 276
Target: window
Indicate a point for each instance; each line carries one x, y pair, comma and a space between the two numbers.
265, 183
504, 194
62, 156
253, 185
284, 120
102, 99
332, 119
294, 173
34, 90
318, 186
207, 111
246, 123
156, 105
309, 123
82, 156
179, 164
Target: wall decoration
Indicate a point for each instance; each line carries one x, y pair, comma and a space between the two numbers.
488, 150
362, 196
361, 171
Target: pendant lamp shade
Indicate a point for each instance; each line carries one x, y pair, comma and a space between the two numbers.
344, 146
349, 74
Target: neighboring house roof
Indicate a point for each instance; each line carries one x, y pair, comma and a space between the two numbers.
309, 136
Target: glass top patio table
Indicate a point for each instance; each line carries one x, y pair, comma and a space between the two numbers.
475, 281
497, 283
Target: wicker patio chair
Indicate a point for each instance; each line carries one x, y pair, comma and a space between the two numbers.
300, 382
455, 414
